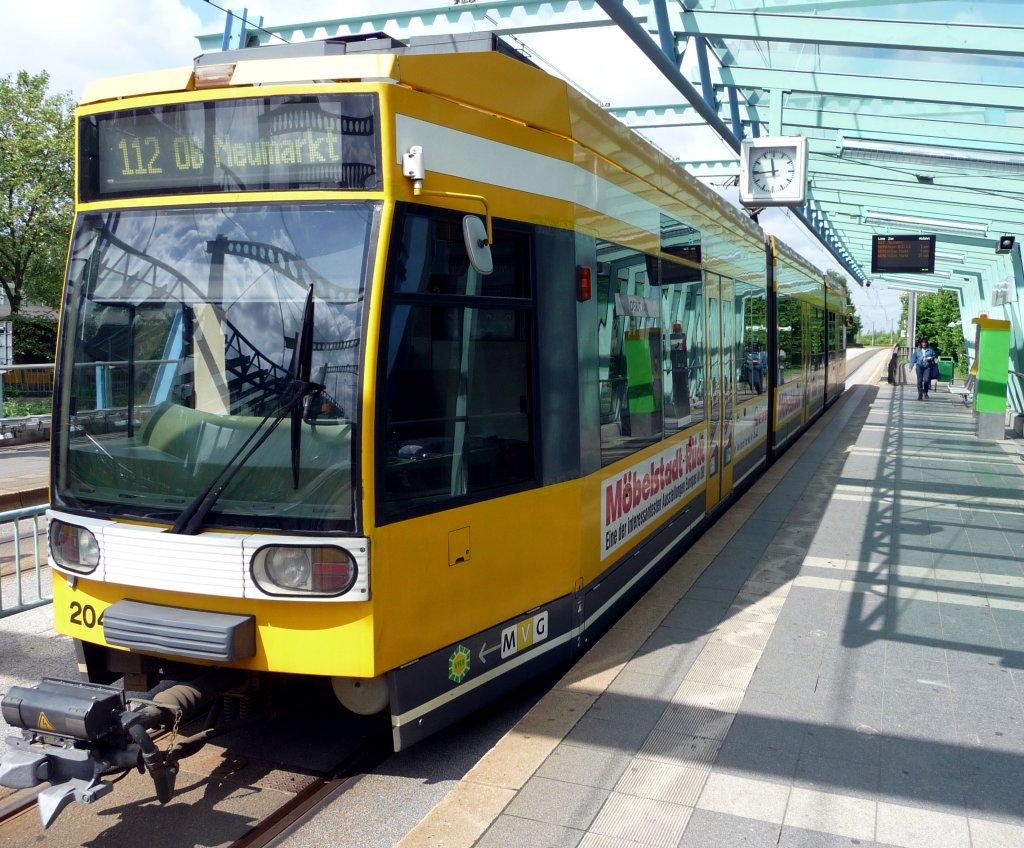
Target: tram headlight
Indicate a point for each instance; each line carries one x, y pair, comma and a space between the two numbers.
291, 570
288, 568
73, 548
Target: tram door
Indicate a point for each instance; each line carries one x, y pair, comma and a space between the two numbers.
721, 367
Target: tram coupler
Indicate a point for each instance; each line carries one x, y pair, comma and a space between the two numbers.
74, 734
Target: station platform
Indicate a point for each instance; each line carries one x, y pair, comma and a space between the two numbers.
24, 476
840, 661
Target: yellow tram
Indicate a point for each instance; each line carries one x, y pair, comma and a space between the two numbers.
402, 365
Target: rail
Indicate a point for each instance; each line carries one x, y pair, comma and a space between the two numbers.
24, 577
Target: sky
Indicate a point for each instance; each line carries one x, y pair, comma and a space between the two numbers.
77, 41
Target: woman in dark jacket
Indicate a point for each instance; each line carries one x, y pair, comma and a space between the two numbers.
922, 362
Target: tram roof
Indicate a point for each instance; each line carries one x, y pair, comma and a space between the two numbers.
914, 116
732, 242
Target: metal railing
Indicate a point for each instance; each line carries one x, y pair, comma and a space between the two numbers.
28, 381
24, 575
25, 416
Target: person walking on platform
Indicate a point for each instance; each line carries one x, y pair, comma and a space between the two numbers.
923, 362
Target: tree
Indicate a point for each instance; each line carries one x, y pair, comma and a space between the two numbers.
35, 340
36, 181
935, 312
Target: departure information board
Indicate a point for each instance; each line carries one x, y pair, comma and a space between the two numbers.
667, 273
326, 142
903, 254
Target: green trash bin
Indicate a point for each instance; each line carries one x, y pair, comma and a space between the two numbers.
945, 364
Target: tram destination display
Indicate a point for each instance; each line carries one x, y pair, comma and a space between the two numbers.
256, 144
903, 254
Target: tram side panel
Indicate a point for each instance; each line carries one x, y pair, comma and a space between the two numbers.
479, 584
560, 539
489, 375
514, 557
480, 362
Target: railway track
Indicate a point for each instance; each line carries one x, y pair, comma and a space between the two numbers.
239, 794
315, 795
21, 808
17, 804
242, 792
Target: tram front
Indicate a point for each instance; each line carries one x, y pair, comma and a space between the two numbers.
206, 451
210, 354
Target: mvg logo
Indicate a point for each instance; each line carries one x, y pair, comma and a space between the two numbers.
523, 634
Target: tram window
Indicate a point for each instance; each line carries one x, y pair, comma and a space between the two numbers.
817, 338
682, 310
790, 338
433, 260
629, 352
457, 369
751, 339
834, 332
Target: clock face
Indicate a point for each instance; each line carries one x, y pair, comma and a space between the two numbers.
772, 170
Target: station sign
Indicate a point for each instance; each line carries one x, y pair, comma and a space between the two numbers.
328, 142
903, 254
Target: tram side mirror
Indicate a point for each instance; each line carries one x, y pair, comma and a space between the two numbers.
477, 247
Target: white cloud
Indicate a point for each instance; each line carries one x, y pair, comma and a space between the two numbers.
78, 42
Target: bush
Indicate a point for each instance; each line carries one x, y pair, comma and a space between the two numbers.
17, 408
35, 340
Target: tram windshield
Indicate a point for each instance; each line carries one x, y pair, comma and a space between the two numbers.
182, 339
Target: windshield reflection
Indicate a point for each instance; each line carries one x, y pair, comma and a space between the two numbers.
180, 336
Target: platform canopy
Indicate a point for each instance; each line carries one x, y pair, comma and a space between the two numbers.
913, 111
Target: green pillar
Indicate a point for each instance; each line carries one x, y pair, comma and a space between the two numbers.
993, 350
643, 370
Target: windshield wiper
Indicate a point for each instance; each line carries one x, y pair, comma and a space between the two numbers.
191, 519
303, 365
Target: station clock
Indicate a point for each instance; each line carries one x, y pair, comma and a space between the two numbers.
773, 171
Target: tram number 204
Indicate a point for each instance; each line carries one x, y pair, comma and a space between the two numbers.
85, 615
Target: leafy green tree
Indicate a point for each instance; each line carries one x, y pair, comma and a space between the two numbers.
36, 181
35, 339
935, 312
